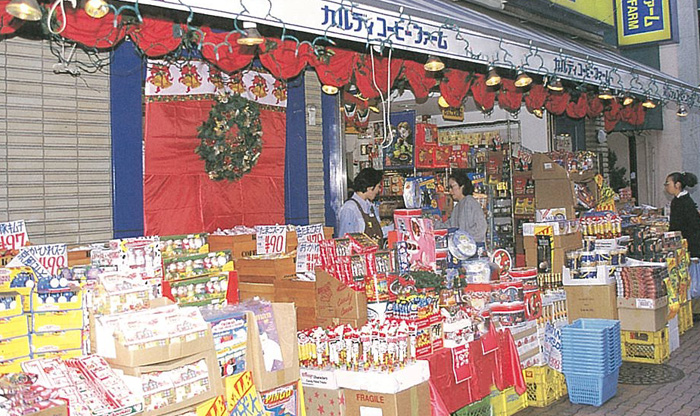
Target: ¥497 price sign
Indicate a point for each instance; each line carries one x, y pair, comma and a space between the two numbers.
271, 239
13, 235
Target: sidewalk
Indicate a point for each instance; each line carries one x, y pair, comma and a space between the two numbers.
681, 398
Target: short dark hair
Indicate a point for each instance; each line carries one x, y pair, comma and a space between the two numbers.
685, 178
463, 180
367, 178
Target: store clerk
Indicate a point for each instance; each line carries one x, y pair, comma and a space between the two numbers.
359, 214
467, 214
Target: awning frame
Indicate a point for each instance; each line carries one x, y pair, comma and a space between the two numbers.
464, 34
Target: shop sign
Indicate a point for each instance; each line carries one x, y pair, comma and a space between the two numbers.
642, 21
51, 258
460, 363
308, 257
13, 235
271, 239
242, 399
453, 113
601, 10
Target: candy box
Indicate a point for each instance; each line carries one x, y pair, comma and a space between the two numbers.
56, 341
19, 279
11, 304
57, 300
13, 365
14, 347
56, 320
13, 326
178, 268
179, 245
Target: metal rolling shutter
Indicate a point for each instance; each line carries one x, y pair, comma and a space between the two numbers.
314, 151
55, 146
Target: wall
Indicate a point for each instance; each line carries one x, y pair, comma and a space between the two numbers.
314, 150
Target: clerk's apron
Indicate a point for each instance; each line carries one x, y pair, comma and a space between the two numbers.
372, 226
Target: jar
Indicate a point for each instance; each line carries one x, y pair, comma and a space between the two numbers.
508, 314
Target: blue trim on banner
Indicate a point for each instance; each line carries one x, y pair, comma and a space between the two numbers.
126, 81
332, 156
296, 189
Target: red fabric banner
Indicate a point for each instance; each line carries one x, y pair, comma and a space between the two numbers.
154, 36
180, 198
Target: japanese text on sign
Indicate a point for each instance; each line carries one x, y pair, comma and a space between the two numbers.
26, 258
308, 257
310, 233
383, 28
271, 239
460, 363
53, 257
552, 346
13, 235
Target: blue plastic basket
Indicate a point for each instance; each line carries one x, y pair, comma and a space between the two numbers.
591, 389
591, 346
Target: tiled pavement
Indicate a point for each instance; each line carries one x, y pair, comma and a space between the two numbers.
681, 398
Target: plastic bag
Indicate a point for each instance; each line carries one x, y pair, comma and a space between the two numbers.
694, 271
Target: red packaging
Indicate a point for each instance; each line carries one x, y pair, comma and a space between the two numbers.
442, 156
425, 156
371, 264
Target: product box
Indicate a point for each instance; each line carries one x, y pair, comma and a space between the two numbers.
13, 326
13, 365
605, 275
259, 270
324, 402
56, 341
12, 348
414, 401
336, 300
598, 301
162, 397
548, 252
57, 321
550, 214
320, 379
325, 322
285, 322
543, 167
79, 256
642, 314
242, 245
264, 291
303, 295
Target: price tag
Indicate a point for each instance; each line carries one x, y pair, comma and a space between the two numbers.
552, 346
460, 363
13, 235
645, 303
51, 257
308, 257
271, 239
310, 233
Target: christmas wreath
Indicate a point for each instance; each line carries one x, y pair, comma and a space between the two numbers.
230, 138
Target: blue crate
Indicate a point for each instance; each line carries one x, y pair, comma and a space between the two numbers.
591, 389
595, 329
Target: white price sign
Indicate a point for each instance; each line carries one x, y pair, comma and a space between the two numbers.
552, 346
310, 233
13, 235
271, 239
51, 257
308, 257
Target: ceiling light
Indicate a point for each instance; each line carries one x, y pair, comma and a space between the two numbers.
627, 100
442, 102
24, 9
555, 85
649, 103
538, 112
682, 111
492, 79
434, 64
251, 36
523, 79
96, 8
329, 89
605, 94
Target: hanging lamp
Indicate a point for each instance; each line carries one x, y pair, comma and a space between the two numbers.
682, 111
555, 85
522, 80
251, 35
492, 79
434, 64
605, 94
24, 9
96, 8
649, 103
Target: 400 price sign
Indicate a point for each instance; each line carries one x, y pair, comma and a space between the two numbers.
271, 239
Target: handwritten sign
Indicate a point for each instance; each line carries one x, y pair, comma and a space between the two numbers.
13, 235
310, 233
52, 257
241, 397
460, 363
552, 346
26, 258
308, 257
271, 239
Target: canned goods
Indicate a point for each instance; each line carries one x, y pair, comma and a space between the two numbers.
508, 314
588, 273
441, 239
603, 257
588, 259
573, 260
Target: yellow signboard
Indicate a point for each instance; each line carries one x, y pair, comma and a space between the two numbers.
642, 21
598, 9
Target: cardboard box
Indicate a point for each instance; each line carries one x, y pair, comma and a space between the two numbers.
216, 386
604, 276
411, 402
336, 300
243, 245
79, 256
555, 193
285, 320
158, 354
61, 410
642, 314
592, 301
543, 167
324, 402
264, 291
303, 295
550, 214
325, 322
548, 253
252, 270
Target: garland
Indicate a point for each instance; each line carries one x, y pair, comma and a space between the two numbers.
230, 138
